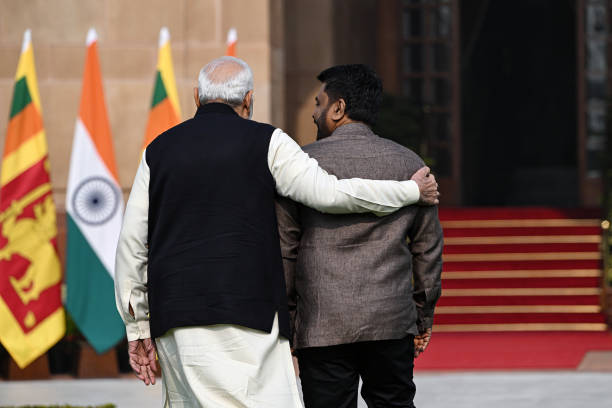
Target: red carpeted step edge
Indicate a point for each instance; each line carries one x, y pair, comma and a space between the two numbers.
521, 283
511, 318
555, 253
510, 350
511, 300
520, 231
492, 213
508, 265
520, 248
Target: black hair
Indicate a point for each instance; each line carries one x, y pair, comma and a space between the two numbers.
360, 88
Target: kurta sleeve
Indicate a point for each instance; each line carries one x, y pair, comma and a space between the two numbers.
299, 177
132, 256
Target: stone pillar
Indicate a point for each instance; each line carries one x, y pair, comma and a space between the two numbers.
319, 34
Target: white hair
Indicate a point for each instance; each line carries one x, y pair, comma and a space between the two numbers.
229, 84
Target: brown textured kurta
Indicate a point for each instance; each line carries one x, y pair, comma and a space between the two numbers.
360, 277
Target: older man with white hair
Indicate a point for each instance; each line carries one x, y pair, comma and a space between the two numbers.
199, 266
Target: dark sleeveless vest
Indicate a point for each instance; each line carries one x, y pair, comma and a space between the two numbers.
214, 253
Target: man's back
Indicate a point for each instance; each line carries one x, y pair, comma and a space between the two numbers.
353, 273
213, 255
198, 260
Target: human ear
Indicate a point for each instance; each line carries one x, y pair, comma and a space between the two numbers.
247, 104
338, 109
196, 96
248, 99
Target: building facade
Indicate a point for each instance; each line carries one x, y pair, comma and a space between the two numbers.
510, 96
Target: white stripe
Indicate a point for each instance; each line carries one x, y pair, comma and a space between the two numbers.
85, 162
27, 39
164, 36
92, 36
232, 36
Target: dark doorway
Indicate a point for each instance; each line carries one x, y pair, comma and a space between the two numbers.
519, 103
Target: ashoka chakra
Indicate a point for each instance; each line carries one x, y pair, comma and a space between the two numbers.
95, 201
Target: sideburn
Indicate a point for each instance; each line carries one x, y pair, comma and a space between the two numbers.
322, 130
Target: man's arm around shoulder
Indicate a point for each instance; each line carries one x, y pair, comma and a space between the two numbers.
300, 178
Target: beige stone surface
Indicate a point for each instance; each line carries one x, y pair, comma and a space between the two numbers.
185, 90
202, 23
128, 108
277, 63
277, 87
277, 26
308, 48
250, 18
60, 103
52, 22
139, 21
600, 361
9, 55
319, 34
59, 61
310, 39
131, 62
306, 131
262, 110
301, 90
258, 57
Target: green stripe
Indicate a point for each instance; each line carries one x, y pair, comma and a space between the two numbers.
159, 92
90, 298
21, 97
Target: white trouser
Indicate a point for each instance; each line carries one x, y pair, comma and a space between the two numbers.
227, 366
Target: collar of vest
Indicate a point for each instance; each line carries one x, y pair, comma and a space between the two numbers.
215, 107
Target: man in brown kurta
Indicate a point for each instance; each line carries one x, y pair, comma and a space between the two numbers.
361, 289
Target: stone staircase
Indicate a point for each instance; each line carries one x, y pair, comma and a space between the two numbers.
521, 270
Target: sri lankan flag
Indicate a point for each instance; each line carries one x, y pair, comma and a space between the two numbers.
31, 313
165, 109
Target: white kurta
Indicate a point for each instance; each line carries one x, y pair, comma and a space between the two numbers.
297, 176
226, 366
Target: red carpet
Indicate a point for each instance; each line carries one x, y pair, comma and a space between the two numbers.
520, 269
520, 290
510, 351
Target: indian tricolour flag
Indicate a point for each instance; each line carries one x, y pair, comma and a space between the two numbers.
94, 207
165, 109
232, 40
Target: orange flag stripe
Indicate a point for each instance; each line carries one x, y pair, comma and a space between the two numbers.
93, 110
161, 118
21, 128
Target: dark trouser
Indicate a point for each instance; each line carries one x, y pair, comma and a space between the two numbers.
330, 375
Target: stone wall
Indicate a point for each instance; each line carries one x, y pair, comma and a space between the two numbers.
128, 36
319, 34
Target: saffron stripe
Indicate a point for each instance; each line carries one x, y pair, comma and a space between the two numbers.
93, 110
161, 118
21, 128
